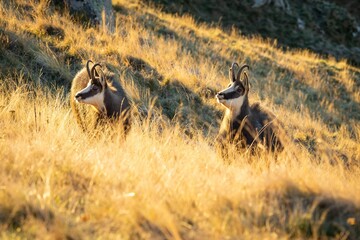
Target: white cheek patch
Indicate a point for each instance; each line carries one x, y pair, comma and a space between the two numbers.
234, 104
237, 103
97, 101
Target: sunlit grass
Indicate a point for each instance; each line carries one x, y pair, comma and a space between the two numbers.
166, 179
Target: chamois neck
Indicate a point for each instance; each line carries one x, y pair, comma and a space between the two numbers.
241, 112
115, 101
109, 100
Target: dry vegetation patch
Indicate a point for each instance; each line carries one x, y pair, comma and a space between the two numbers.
166, 179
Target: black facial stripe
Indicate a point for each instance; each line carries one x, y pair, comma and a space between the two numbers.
238, 92
231, 95
88, 94
92, 91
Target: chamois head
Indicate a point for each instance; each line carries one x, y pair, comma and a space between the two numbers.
93, 93
234, 95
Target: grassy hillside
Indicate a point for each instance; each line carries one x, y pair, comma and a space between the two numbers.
327, 27
166, 179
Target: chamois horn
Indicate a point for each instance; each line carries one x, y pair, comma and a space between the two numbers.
93, 70
241, 70
232, 71
88, 67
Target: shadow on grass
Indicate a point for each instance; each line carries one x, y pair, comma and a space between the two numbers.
33, 220
300, 214
334, 104
344, 107
321, 26
176, 101
25, 55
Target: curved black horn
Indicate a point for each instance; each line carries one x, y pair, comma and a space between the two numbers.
232, 71
241, 70
88, 68
246, 82
93, 70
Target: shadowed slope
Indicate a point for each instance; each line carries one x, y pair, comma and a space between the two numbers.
166, 180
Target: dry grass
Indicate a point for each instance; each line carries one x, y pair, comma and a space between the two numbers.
166, 180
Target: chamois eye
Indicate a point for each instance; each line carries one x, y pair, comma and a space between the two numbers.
238, 89
94, 87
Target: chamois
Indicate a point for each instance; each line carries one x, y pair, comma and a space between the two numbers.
245, 125
99, 88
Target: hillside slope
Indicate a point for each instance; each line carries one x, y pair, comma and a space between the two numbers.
323, 26
166, 179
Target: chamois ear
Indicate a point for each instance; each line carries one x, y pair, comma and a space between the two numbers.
88, 67
246, 82
241, 71
96, 75
232, 76
102, 77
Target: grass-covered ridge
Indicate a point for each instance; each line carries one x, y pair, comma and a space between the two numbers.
328, 27
165, 180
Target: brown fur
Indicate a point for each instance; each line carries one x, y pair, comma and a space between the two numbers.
118, 108
248, 126
253, 127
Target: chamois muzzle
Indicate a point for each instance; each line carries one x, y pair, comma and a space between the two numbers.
229, 94
82, 95
220, 96
78, 97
